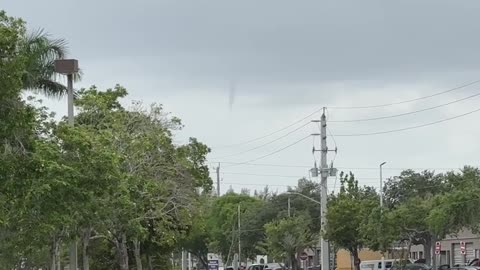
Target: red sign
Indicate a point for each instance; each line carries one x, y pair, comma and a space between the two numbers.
438, 248
462, 248
304, 256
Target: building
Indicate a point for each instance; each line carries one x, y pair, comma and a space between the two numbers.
450, 252
345, 261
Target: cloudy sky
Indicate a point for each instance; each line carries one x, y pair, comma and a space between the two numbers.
239, 70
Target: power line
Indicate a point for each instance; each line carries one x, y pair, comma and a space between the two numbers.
265, 144
267, 175
408, 100
272, 153
272, 133
407, 113
288, 176
343, 168
339, 107
365, 183
407, 128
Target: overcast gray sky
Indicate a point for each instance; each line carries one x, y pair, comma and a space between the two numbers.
237, 70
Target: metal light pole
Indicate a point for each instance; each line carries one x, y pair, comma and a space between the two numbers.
381, 209
69, 67
304, 196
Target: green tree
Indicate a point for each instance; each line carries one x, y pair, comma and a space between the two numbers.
288, 237
347, 210
410, 199
197, 239
222, 223
152, 203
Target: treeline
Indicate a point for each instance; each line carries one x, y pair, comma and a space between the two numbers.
420, 208
115, 183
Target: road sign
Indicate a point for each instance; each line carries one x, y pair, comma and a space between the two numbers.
438, 248
213, 261
462, 248
212, 264
304, 256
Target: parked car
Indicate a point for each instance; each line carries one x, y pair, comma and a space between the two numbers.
474, 262
257, 267
444, 267
274, 266
411, 266
268, 266
467, 267
377, 264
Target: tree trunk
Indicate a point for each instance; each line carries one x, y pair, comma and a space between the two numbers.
293, 262
409, 248
203, 260
54, 254
432, 251
59, 259
85, 241
427, 248
356, 259
122, 251
138, 257
150, 262
53, 257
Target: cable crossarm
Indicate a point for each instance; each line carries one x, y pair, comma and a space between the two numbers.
408, 128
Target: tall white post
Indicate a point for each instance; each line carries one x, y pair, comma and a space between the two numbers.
381, 211
325, 258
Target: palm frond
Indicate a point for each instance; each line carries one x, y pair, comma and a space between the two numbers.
41, 51
50, 88
41, 44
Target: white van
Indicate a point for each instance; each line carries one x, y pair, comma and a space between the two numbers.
377, 264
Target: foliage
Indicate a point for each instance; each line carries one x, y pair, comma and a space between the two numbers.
223, 225
288, 237
347, 211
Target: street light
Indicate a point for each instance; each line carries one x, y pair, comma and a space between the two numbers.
69, 67
381, 208
305, 196
381, 185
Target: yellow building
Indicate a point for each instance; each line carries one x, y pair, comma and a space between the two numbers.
345, 262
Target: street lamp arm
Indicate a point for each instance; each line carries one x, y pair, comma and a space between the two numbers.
306, 197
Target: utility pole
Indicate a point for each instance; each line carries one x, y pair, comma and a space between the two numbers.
324, 173
289, 215
323, 185
239, 241
381, 211
218, 180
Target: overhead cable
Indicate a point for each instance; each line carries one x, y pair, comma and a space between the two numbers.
407, 128
403, 114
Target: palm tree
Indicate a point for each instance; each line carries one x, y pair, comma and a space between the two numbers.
40, 52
